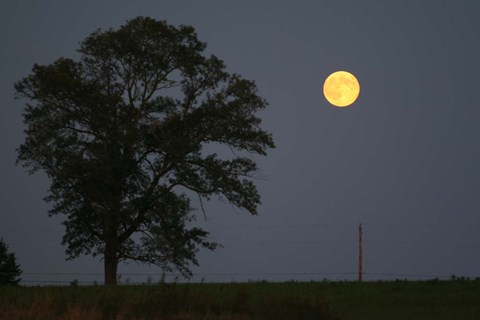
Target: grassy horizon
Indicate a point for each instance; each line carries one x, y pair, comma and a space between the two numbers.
423, 300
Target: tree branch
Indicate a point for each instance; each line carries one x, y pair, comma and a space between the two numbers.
141, 213
80, 130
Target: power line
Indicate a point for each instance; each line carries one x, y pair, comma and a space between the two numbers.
310, 226
222, 274
54, 281
326, 242
424, 243
305, 243
259, 276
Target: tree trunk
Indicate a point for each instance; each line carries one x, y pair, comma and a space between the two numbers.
110, 263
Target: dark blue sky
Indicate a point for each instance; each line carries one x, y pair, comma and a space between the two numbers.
403, 160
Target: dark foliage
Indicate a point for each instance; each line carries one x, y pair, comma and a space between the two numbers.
122, 132
9, 269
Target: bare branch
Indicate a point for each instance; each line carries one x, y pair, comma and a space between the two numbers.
201, 206
80, 130
148, 193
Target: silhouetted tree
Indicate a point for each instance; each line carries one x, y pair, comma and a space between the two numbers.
121, 134
9, 269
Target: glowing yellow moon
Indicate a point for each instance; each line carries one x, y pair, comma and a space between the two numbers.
341, 88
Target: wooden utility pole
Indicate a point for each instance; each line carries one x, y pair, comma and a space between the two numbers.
360, 271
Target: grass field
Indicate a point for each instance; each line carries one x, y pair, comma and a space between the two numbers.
241, 301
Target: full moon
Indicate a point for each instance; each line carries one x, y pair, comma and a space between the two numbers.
341, 88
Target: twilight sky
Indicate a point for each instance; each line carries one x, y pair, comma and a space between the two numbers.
404, 160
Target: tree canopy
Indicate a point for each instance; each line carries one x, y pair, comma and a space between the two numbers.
9, 269
121, 132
